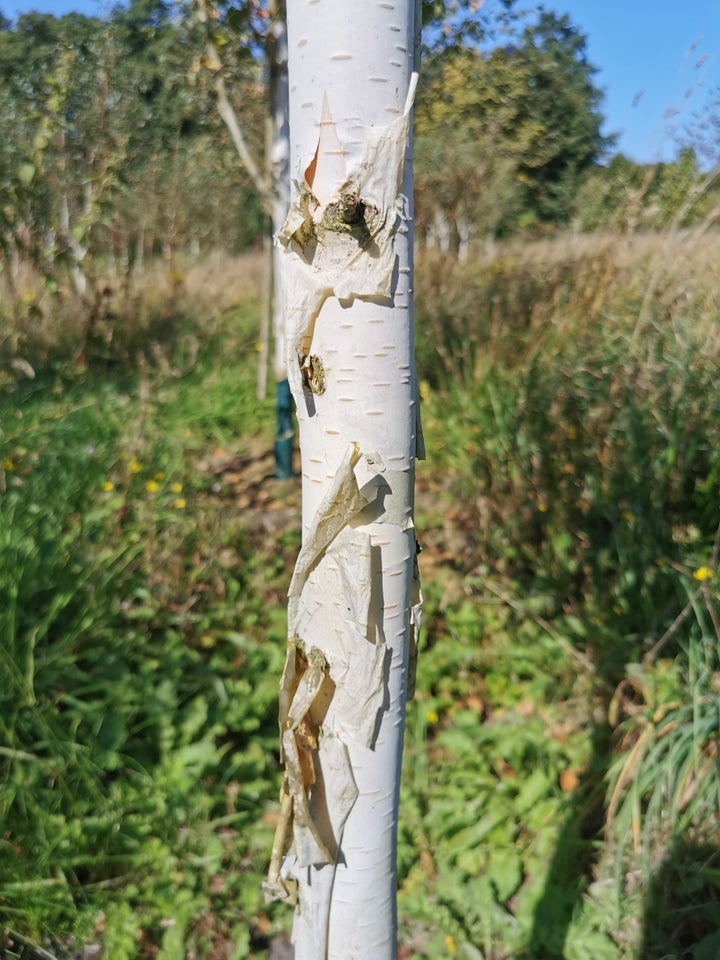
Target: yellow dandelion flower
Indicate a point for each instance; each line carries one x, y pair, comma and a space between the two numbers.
180, 504
159, 475
176, 487
8, 464
543, 507
152, 486
431, 716
135, 467
628, 516
450, 944
108, 486
703, 573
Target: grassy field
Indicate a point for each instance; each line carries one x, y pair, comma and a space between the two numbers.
560, 793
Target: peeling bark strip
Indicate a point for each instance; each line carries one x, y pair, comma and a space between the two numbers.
344, 247
354, 600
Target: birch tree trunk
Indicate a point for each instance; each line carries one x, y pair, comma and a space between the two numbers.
354, 598
279, 158
274, 190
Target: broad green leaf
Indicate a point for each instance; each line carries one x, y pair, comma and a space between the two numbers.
708, 948
505, 872
26, 173
535, 787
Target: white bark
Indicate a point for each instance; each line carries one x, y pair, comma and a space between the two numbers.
353, 600
279, 166
441, 230
463, 226
77, 250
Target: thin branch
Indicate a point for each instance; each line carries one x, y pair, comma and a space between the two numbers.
35, 948
227, 112
652, 654
547, 627
206, 13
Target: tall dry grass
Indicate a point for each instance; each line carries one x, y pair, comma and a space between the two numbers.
507, 304
509, 300
573, 384
160, 315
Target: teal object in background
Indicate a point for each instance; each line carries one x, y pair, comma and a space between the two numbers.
284, 431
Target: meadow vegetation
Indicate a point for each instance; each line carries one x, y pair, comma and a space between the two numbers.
560, 792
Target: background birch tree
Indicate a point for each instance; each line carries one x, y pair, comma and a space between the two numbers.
353, 599
254, 25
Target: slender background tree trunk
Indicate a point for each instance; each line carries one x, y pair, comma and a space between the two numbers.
353, 600
279, 159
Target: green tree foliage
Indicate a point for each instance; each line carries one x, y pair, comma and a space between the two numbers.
112, 146
466, 165
628, 196
612, 197
506, 134
113, 150
450, 24
563, 103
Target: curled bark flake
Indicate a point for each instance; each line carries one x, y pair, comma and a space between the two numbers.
342, 244
313, 373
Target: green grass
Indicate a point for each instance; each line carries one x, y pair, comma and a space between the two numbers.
571, 531
139, 673
559, 795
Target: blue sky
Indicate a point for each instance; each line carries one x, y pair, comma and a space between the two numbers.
658, 62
